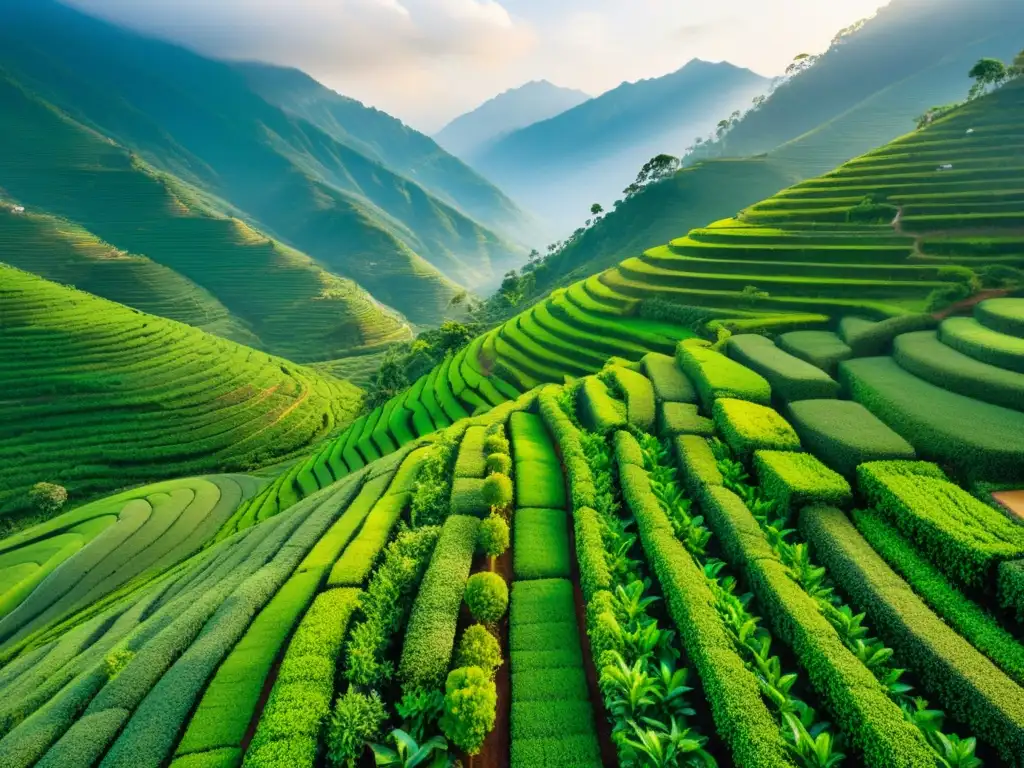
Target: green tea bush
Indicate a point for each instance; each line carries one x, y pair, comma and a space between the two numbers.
386, 605
48, 498
542, 544
470, 704
790, 377
598, 410
876, 338
947, 523
967, 335
487, 596
739, 711
430, 637
715, 376
946, 665
638, 392
430, 505
357, 720
359, 557
1003, 315
300, 701
594, 573
471, 461
498, 463
568, 436
1011, 587
479, 648
117, 660
698, 464
627, 449
845, 434
670, 384
823, 349
682, 419
964, 615
748, 427
795, 480
493, 537
468, 497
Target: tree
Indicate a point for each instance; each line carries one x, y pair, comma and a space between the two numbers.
48, 497
596, 209
657, 168
1017, 69
986, 73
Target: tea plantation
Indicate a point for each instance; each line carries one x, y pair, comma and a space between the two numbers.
658, 519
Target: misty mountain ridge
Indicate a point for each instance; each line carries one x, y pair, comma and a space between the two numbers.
533, 102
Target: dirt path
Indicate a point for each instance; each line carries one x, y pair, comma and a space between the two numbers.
1012, 502
970, 302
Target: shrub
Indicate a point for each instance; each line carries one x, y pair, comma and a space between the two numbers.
947, 523
796, 480
430, 505
581, 478
359, 557
471, 461
542, 544
945, 664
1011, 587
495, 440
386, 604
430, 636
468, 497
493, 537
116, 660
627, 449
698, 463
790, 377
470, 703
682, 419
497, 491
479, 648
670, 384
845, 434
821, 348
48, 498
715, 375
965, 616
487, 596
748, 427
357, 719
940, 298
639, 395
598, 410
872, 339
590, 553
499, 463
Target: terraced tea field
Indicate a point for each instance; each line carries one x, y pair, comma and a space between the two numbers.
97, 396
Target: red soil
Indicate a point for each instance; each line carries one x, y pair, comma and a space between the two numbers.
1012, 501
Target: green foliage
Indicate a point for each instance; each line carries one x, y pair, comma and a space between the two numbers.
433, 487
357, 720
716, 376
638, 392
845, 434
948, 524
821, 348
539, 481
487, 596
408, 753
873, 339
470, 701
698, 463
598, 410
1011, 587
748, 427
479, 648
682, 419
542, 544
967, 335
790, 377
47, 498
496, 491
430, 637
493, 538
420, 710
670, 384
117, 660
965, 616
872, 210
1002, 315
471, 461
498, 463
795, 480
386, 604
945, 664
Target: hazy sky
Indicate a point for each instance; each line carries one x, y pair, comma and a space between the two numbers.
426, 61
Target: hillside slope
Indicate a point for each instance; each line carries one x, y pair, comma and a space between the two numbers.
199, 120
387, 140
865, 91
589, 153
470, 134
49, 162
97, 396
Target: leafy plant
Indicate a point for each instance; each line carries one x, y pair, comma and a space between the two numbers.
407, 753
117, 660
479, 648
469, 708
356, 720
487, 596
420, 711
493, 537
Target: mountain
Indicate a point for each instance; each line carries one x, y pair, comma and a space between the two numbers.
865, 90
591, 152
200, 121
387, 140
98, 396
470, 134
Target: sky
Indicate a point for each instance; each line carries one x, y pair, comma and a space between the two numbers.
428, 61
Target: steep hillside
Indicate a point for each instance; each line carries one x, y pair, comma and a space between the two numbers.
97, 396
865, 91
198, 119
589, 153
470, 134
387, 140
49, 162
